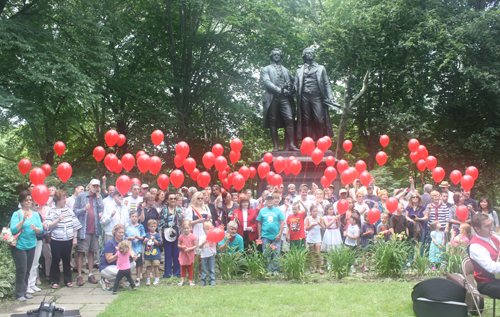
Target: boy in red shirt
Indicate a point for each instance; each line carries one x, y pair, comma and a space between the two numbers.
295, 222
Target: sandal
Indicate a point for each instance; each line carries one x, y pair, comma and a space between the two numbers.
313, 272
321, 272
69, 284
54, 286
180, 284
192, 284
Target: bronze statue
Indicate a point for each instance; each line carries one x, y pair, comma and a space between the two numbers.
279, 107
314, 97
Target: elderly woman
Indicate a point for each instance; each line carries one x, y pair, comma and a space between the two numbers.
64, 227
383, 195
437, 212
416, 213
108, 266
29, 225
147, 211
246, 218
197, 213
169, 225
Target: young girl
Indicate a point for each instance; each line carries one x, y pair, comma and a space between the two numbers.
207, 255
187, 244
331, 238
152, 255
463, 238
437, 244
352, 233
123, 264
313, 228
135, 234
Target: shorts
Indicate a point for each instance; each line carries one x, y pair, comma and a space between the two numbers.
90, 243
152, 262
138, 261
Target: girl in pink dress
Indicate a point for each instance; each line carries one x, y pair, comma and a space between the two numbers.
187, 244
463, 238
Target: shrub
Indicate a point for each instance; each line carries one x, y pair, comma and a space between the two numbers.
453, 257
389, 258
7, 271
293, 263
340, 261
420, 260
229, 264
255, 262
197, 268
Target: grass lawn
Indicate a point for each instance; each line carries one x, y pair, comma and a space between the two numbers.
353, 298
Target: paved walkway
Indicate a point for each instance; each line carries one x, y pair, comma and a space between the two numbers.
90, 299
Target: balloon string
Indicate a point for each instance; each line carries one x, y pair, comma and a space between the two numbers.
315, 173
304, 179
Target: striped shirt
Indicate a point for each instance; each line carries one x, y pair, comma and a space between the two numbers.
440, 213
65, 229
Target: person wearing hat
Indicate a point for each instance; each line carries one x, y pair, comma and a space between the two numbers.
370, 198
445, 186
342, 195
88, 209
144, 189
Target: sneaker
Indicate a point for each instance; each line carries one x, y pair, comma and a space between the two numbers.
79, 281
125, 284
22, 299
148, 282
114, 292
36, 288
28, 296
157, 281
212, 284
30, 291
105, 284
137, 282
192, 284
92, 279
365, 268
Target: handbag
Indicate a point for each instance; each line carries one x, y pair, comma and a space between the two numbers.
8, 237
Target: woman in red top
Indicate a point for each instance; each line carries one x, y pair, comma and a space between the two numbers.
246, 219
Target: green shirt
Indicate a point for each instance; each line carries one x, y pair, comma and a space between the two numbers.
27, 238
233, 246
270, 220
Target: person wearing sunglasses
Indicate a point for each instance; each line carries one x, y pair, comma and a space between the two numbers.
197, 213
417, 213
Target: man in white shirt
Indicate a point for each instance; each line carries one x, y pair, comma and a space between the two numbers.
132, 202
70, 202
114, 213
483, 252
304, 198
109, 198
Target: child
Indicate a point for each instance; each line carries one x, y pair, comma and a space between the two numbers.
314, 224
135, 234
123, 264
383, 226
207, 255
367, 232
152, 253
187, 244
463, 238
295, 222
437, 244
399, 223
331, 238
352, 233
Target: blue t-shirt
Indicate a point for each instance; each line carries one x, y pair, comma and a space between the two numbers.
270, 220
109, 247
233, 246
131, 232
27, 238
152, 251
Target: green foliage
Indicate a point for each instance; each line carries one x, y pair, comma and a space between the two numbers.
229, 264
389, 258
421, 261
196, 268
7, 271
294, 262
453, 257
340, 261
255, 262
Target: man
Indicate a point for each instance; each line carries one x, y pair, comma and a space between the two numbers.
342, 195
270, 228
444, 199
70, 202
153, 191
253, 202
260, 203
88, 209
370, 199
445, 186
232, 242
426, 197
292, 191
314, 97
303, 190
215, 193
115, 212
190, 193
483, 252
278, 104
144, 189
469, 201
132, 202
109, 198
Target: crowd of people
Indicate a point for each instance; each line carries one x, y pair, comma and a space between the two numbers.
118, 234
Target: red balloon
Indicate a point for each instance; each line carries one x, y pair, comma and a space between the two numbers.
462, 213
456, 176
203, 179
234, 157
189, 164
354, 174
346, 177
139, 154
381, 158
263, 169
217, 150
216, 235
431, 162
128, 161
222, 175
330, 173
421, 165
227, 169
40, 194
472, 171
422, 150
365, 178
37, 176
268, 158
295, 167
163, 181
342, 206
253, 172
330, 161
414, 157
178, 161
322, 145
143, 163
287, 171
316, 156
467, 182
413, 145
176, 178
384, 140
59, 148
119, 167
279, 164
347, 145
269, 177
121, 139
99, 153
328, 141
157, 137
290, 159
342, 165
24, 166
236, 145
155, 166
360, 166
307, 146
194, 174
373, 215
182, 149
392, 204
438, 174
123, 184
64, 171
245, 172
325, 182
135, 180
111, 137
208, 160
46, 169
238, 182
220, 163
226, 184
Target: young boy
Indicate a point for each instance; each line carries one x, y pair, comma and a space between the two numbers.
383, 226
352, 233
207, 255
135, 233
367, 231
399, 223
295, 222
152, 253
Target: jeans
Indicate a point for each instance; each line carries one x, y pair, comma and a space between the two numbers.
208, 265
171, 254
23, 260
121, 274
272, 255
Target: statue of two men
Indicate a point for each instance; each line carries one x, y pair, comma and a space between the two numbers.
314, 96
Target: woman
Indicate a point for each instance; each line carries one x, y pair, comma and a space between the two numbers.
160, 201
383, 195
246, 218
169, 225
197, 213
64, 226
417, 214
211, 207
458, 199
23, 253
486, 208
226, 208
32, 280
147, 211
360, 205
320, 202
